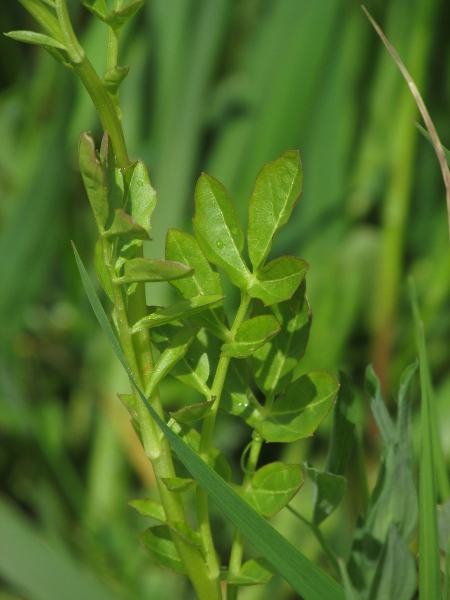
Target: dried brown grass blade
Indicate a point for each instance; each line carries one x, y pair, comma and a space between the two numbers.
423, 110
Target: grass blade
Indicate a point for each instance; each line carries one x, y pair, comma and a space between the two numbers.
305, 577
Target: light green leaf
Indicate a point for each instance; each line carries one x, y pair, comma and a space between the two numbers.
278, 280
140, 197
298, 413
158, 542
193, 412
31, 37
175, 350
184, 248
253, 572
152, 269
327, 490
148, 507
272, 487
93, 179
117, 18
277, 188
97, 7
305, 577
113, 77
273, 363
178, 484
251, 335
218, 230
124, 225
179, 310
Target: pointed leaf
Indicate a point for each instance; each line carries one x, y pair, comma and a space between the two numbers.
112, 179
97, 7
93, 178
178, 484
193, 412
251, 335
179, 310
278, 280
328, 490
298, 413
31, 37
273, 363
148, 507
277, 188
305, 577
158, 542
253, 572
184, 248
272, 487
218, 230
117, 18
140, 197
124, 225
152, 269
194, 368
176, 349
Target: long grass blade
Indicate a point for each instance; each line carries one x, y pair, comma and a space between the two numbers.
305, 577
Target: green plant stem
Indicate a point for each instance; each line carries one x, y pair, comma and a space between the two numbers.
113, 40
203, 522
237, 548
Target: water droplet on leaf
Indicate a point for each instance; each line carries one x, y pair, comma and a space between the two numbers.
140, 183
219, 244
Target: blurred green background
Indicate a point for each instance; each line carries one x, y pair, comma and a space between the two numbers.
220, 86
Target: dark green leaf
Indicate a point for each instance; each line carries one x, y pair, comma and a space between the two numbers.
148, 507
305, 577
237, 397
194, 368
178, 484
152, 269
277, 188
343, 431
253, 572
101, 270
301, 409
273, 363
193, 412
112, 179
179, 310
184, 248
328, 490
93, 179
278, 280
251, 335
158, 541
31, 37
218, 230
272, 487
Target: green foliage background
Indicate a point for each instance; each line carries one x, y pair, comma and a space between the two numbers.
219, 87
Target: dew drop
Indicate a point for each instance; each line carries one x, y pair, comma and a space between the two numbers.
140, 183
219, 244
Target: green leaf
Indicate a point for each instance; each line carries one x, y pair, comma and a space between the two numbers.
278, 280
93, 178
304, 576
186, 533
343, 430
425, 133
179, 310
251, 335
158, 542
218, 230
396, 575
140, 197
124, 225
101, 270
298, 413
193, 412
152, 269
176, 349
272, 487
178, 484
97, 7
277, 188
148, 507
328, 490
184, 248
273, 363
31, 37
117, 18
113, 77
253, 572
112, 178
194, 368
237, 397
